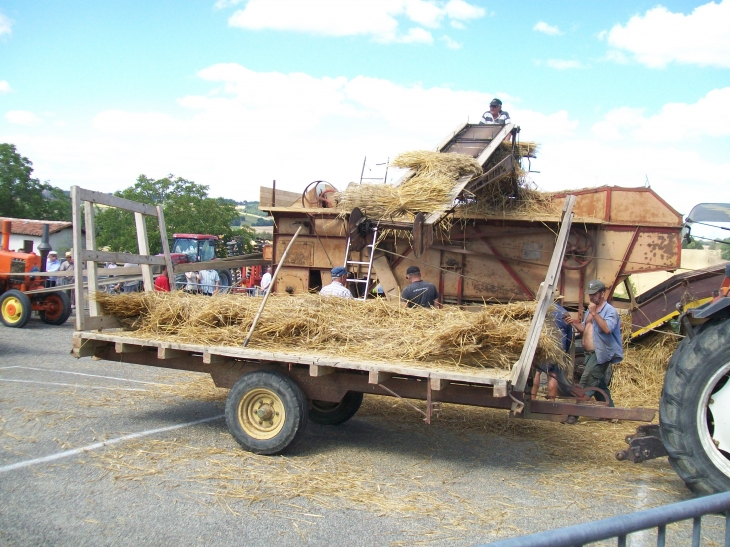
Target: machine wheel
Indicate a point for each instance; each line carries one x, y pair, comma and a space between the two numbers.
266, 412
326, 413
59, 308
694, 412
14, 309
225, 282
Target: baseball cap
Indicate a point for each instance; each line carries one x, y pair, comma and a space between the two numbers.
52, 253
595, 285
495, 102
413, 270
339, 271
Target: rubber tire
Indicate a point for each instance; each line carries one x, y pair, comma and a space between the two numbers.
295, 406
24, 312
691, 367
337, 413
225, 281
65, 309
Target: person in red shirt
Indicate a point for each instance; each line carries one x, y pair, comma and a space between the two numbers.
162, 283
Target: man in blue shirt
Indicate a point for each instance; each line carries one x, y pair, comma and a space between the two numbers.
602, 341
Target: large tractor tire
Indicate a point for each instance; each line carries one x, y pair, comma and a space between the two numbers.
694, 412
59, 308
325, 413
14, 309
266, 412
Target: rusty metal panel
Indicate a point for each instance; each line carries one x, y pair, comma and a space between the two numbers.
292, 280
641, 205
654, 251
330, 226
290, 224
300, 254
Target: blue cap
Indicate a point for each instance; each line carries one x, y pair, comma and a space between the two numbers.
339, 271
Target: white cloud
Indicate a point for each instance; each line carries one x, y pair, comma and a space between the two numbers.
660, 36
542, 26
6, 25
23, 117
563, 64
5, 87
380, 19
670, 123
450, 42
253, 127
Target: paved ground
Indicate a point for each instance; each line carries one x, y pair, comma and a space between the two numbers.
170, 472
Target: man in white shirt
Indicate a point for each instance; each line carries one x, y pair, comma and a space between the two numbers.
209, 282
265, 280
495, 114
337, 287
52, 265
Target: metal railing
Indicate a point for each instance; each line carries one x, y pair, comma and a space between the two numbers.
620, 527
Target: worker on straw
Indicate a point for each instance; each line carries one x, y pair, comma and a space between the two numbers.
556, 378
162, 282
52, 265
209, 282
338, 286
419, 293
602, 341
265, 280
495, 114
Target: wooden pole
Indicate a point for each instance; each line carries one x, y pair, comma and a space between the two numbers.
271, 286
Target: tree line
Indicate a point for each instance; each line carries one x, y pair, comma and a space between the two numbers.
186, 206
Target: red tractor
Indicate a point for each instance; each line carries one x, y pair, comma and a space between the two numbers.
16, 279
199, 248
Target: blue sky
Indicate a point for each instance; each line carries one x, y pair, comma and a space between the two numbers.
233, 94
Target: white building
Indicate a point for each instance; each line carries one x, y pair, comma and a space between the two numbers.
60, 234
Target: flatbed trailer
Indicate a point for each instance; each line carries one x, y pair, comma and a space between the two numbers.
274, 394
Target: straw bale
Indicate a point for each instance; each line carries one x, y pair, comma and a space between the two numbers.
490, 336
429, 189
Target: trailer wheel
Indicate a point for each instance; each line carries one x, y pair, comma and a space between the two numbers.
14, 309
59, 308
694, 412
326, 413
266, 412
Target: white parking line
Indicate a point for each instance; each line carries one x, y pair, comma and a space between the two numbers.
93, 376
71, 385
75, 451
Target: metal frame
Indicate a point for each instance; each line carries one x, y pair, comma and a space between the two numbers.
620, 527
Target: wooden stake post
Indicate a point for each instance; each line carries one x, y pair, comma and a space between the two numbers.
271, 286
86, 255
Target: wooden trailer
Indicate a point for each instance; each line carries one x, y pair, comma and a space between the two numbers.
273, 394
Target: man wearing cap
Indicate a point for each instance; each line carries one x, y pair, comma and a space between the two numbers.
337, 287
52, 265
419, 293
495, 114
602, 341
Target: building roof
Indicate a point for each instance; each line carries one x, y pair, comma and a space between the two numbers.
28, 227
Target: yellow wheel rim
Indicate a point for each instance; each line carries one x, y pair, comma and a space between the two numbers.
261, 414
12, 310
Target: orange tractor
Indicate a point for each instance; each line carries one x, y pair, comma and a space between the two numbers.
18, 286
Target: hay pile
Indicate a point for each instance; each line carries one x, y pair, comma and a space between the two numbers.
638, 379
492, 336
429, 189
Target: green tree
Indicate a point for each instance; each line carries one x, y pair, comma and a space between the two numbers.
186, 206
694, 244
22, 196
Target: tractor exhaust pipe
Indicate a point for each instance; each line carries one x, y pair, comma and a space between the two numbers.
7, 229
44, 247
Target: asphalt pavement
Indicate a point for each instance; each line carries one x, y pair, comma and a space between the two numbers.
107, 453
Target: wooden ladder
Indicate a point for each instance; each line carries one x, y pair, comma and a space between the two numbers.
358, 263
